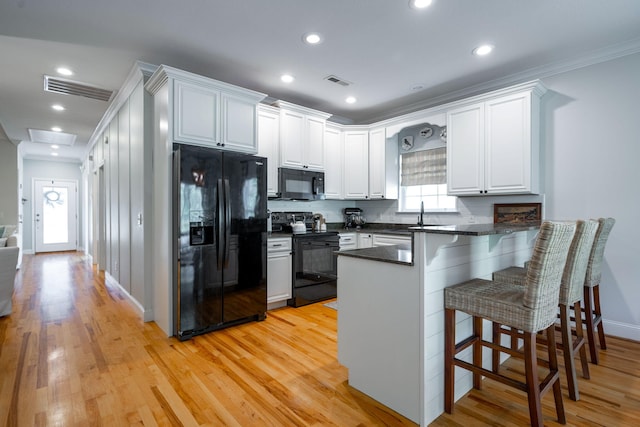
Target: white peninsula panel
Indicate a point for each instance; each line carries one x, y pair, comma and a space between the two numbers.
391, 318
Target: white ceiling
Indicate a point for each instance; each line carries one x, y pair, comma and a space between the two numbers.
384, 47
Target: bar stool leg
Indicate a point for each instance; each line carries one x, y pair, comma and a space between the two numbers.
477, 351
531, 374
598, 315
581, 341
553, 367
449, 353
588, 319
495, 354
568, 351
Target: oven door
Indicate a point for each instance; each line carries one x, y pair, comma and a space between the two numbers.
315, 268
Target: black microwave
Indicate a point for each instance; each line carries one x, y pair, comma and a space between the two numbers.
297, 184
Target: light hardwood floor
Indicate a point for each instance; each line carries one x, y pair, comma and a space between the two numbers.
73, 353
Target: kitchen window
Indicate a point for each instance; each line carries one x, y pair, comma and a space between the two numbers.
423, 178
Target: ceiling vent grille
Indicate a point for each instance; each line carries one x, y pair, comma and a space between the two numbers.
69, 87
337, 80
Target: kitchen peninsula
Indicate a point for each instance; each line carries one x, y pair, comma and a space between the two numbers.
391, 321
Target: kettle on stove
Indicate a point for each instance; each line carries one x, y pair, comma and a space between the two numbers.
298, 227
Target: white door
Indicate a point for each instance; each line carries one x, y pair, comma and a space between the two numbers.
55, 215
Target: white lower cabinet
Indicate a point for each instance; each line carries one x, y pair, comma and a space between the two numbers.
279, 270
365, 240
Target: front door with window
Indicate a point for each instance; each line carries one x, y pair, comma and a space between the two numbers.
55, 216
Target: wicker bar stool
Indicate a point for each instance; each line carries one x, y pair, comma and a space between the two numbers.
570, 295
530, 308
593, 313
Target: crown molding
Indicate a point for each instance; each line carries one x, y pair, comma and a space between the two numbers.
597, 56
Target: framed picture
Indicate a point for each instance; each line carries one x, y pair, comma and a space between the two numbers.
514, 213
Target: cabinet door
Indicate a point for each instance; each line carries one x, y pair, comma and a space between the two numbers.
292, 135
365, 240
314, 144
279, 270
333, 176
196, 114
356, 165
377, 173
465, 150
278, 277
508, 144
268, 141
238, 124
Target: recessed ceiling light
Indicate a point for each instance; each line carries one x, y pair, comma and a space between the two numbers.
420, 4
57, 107
64, 71
312, 38
483, 50
287, 78
54, 154
351, 100
56, 129
55, 147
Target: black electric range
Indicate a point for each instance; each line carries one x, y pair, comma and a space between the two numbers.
315, 268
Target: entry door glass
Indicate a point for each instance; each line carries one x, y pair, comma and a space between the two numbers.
55, 216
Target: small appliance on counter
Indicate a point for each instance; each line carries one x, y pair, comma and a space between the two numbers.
353, 218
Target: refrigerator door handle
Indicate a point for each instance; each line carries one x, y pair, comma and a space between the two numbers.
227, 220
221, 224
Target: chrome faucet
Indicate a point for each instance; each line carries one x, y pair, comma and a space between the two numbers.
421, 217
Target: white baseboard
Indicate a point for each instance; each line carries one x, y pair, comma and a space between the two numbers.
145, 316
28, 251
622, 330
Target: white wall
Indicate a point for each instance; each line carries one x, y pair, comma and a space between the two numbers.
8, 182
46, 169
591, 151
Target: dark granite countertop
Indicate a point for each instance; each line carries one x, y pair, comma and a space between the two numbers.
396, 254
477, 229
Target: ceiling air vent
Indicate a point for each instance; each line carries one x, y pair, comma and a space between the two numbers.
337, 80
69, 87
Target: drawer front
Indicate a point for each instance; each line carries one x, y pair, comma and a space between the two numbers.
279, 244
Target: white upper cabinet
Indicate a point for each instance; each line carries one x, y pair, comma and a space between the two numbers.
356, 164
493, 143
268, 144
208, 112
302, 137
334, 155
197, 108
465, 150
383, 166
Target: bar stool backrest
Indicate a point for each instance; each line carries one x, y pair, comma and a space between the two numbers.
594, 268
544, 274
575, 270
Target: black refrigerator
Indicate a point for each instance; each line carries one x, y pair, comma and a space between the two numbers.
220, 239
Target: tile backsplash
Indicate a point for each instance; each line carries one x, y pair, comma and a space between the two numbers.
470, 209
